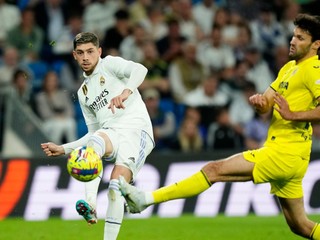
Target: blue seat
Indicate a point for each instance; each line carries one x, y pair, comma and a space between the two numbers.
39, 70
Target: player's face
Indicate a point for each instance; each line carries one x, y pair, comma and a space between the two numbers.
87, 56
300, 45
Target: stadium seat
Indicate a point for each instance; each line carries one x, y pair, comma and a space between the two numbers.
39, 70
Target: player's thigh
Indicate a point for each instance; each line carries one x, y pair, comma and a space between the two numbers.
110, 138
233, 168
133, 148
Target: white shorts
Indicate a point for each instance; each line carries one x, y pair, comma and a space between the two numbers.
130, 148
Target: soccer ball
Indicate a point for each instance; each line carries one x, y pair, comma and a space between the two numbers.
84, 164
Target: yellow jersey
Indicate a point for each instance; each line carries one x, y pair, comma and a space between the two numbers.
299, 84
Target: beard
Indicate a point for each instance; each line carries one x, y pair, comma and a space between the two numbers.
300, 54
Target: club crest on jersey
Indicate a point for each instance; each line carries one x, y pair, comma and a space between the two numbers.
102, 81
284, 85
85, 89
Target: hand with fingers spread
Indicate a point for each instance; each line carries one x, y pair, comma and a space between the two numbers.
52, 149
117, 102
282, 107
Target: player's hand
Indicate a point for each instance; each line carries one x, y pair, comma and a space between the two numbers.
117, 102
259, 102
282, 107
52, 149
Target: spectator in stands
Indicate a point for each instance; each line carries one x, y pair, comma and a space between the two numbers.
115, 35
256, 130
290, 11
51, 16
138, 10
99, 16
27, 37
189, 138
222, 134
56, 110
170, 46
248, 9
244, 40
237, 78
198, 118
259, 71
214, 48
69, 71
163, 120
157, 76
203, 14
11, 61
228, 22
240, 110
185, 72
280, 57
267, 32
10, 17
155, 23
188, 26
207, 94
22, 90
131, 46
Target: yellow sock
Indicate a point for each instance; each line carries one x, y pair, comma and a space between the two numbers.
315, 234
188, 187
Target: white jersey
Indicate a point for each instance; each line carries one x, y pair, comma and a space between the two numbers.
108, 80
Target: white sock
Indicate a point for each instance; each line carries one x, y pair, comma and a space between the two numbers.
91, 189
98, 144
115, 211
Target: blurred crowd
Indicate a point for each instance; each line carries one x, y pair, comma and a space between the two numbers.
205, 58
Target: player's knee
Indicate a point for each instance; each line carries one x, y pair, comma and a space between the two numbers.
211, 170
114, 192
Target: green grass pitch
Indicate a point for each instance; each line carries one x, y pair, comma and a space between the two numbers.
187, 227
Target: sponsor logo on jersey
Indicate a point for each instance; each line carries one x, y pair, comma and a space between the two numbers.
100, 101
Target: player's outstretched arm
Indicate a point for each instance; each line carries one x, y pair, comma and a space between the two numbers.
52, 149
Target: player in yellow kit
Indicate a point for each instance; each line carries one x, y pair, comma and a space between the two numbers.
294, 98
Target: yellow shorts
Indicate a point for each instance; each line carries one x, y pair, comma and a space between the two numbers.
284, 171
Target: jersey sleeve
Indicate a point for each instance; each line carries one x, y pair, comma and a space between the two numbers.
275, 84
312, 80
130, 72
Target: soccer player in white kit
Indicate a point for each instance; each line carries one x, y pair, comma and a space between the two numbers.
119, 127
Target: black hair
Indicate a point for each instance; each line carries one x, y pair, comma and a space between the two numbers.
121, 14
85, 37
18, 72
309, 23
